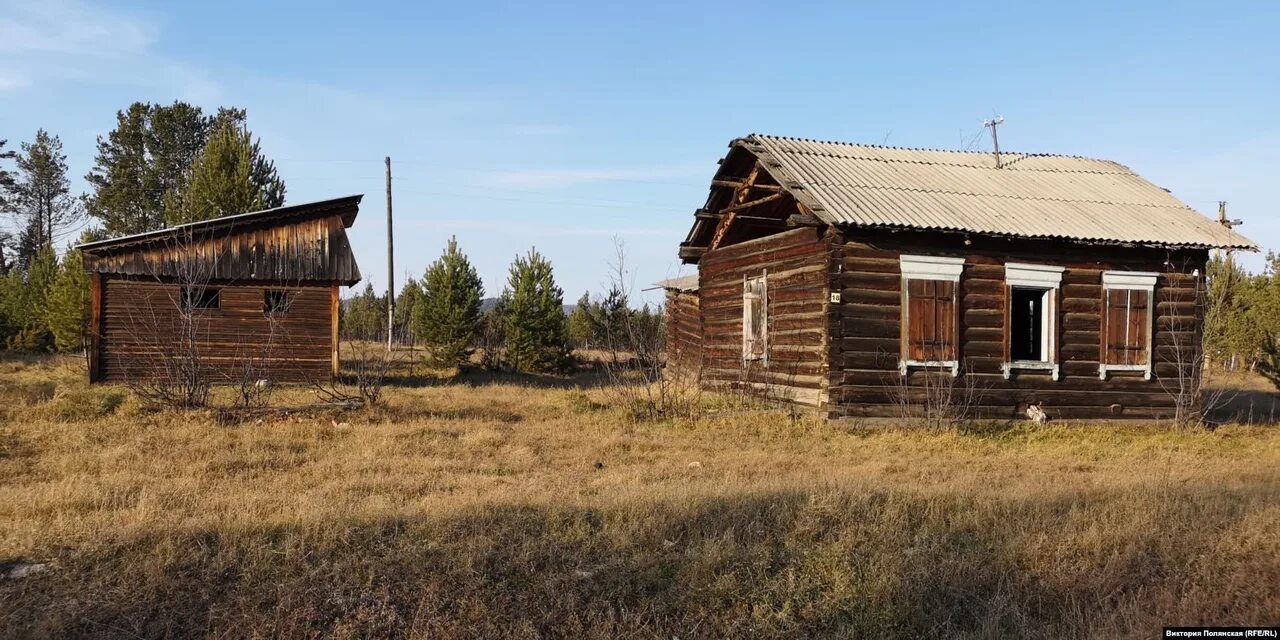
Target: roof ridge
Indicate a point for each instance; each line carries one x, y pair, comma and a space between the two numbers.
934, 149
1183, 206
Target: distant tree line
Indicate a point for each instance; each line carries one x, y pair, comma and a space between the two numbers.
161, 165
524, 329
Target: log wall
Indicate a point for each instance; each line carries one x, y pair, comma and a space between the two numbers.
796, 262
139, 323
863, 379
684, 331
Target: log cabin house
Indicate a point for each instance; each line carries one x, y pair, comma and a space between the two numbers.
848, 277
250, 294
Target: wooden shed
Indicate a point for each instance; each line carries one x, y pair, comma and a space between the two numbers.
250, 294
853, 277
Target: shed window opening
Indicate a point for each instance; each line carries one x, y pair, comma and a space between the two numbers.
200, 298
276, 302
1127, 322
930, 317
755, 319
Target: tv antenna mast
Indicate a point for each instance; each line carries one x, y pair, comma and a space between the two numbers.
995, 140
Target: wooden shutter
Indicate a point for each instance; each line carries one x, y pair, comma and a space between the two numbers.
1127, 323
931, 320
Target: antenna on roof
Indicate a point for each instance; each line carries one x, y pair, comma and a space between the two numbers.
995, 140
1228, 223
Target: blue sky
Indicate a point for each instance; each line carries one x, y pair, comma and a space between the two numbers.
563, 125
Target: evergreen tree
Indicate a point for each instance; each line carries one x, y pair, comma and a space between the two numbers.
23, 297
448, 319
148, 157
533, 317
230, 176
42, 197
364, 316
67, 305
407, 303
611, 318
582, 328
6, 177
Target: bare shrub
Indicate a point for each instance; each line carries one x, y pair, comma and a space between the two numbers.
364, 374
635, 361
1193, 400
935, 399
168, 367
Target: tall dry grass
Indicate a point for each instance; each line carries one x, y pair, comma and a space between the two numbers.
504, 510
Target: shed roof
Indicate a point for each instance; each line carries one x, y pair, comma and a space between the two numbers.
1027, 195
298, 243
682, 283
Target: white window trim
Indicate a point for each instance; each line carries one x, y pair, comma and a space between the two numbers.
1137, 281
1048, 278
944, 268
746, 319
931, 267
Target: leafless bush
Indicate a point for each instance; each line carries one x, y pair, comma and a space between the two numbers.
1185, 353
935, 399
364, 375
168, 366
635, 363
253, 375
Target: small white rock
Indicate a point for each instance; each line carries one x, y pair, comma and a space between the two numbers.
24, 569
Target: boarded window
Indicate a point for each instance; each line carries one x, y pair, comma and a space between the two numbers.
275, 302
931, 320
755, 318
200, 298
1127, 322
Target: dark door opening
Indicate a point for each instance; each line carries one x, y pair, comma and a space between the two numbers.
1027, 338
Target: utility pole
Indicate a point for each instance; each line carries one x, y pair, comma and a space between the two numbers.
391, 270
995, 140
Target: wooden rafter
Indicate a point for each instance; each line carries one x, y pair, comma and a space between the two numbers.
740, 195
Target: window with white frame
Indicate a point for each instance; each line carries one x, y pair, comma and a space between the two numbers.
1031, 317
755, 318
1127, 301
930, 317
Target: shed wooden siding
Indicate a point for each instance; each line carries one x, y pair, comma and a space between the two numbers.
684, 331
138, 319
303, 250
796, 265
864, 354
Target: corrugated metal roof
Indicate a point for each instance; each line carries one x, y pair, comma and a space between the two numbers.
1034, 196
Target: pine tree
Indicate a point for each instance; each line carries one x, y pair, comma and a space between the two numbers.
533, 317
230, 176
407, 303
448, 318
611, 319
146, 156
582, 328
67, 305
6, 177
23, 298
364, 316
42, 197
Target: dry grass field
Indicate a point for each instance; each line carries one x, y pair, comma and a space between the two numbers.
508, 508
